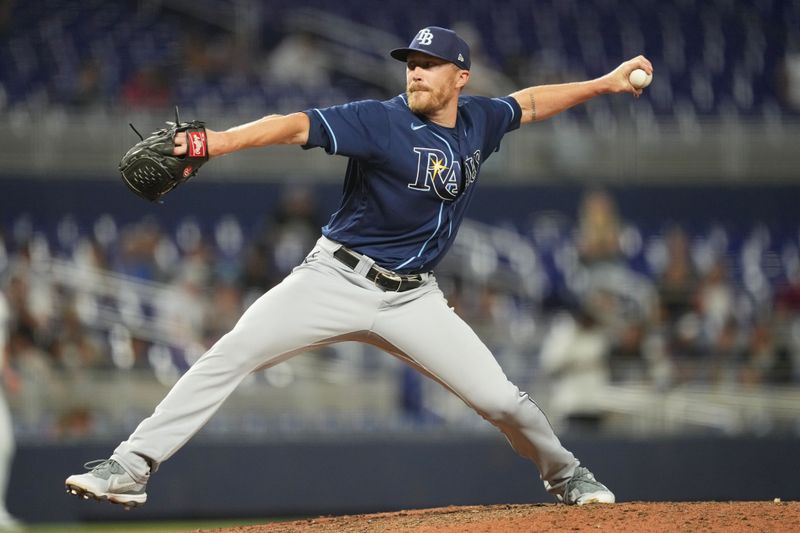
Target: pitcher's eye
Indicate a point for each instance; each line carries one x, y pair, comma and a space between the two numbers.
424, 65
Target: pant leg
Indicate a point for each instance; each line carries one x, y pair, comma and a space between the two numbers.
6, 451
317, 304
420, 326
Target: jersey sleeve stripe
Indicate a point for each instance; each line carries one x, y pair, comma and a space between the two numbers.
330, 130
513, 114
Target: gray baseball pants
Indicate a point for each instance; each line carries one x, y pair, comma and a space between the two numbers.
6, 448
321, 302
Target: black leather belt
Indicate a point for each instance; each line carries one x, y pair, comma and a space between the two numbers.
385, 279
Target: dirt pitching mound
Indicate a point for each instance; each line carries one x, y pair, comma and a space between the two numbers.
638, 517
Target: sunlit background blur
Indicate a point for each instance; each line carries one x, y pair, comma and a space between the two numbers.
633, 263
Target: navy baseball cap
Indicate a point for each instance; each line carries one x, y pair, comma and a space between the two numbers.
437, 42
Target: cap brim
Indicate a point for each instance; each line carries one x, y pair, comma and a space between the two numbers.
401, 54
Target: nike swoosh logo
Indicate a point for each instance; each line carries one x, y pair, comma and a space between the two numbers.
114, 485
416, 127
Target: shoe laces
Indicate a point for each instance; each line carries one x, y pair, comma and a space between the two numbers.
583, 476
582, 473
103, 465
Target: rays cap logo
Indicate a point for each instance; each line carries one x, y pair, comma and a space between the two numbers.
437, 42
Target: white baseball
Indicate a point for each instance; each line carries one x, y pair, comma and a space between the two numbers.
640, 79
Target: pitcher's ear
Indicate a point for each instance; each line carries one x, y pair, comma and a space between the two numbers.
463, 78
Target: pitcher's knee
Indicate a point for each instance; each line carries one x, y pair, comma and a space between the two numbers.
499, 406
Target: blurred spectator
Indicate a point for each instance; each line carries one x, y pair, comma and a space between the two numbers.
677, 292
34, 366
206, 55
21, 315
229, 242
620, 299
90, 254
764, 362
226, 302
715, 300
787, 296
138, 246
661, 369
786, 322
255, 278
288, 235
296, 222
7, 522
195, 261
575, 356
599, 228
299, 59
727, 352
87, 91
32, 301
677, 284
75, 423
73, 347
184, 308
147, 87
790, 80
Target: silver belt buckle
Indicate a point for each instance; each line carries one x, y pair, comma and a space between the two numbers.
392, 276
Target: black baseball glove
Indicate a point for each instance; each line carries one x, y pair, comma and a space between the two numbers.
151, 170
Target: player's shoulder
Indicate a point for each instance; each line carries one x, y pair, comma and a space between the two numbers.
358, 104
487, 106
470, 100
378, 107
367, 111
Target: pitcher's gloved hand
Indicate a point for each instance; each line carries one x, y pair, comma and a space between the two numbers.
151, 170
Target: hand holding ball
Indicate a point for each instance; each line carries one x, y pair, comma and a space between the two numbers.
640, 79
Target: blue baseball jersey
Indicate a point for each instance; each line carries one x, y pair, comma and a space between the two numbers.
408, 181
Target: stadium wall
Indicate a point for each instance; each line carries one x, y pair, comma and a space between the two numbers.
385, 473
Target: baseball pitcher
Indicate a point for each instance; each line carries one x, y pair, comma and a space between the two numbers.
413, 162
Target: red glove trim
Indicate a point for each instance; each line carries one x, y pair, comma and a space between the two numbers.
197, 143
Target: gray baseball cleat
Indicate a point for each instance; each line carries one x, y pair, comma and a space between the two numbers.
583, 488
107, 481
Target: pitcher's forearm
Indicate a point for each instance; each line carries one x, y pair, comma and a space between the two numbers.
272, 129
544, 101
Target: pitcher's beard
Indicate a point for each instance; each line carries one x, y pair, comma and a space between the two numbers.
425, 102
